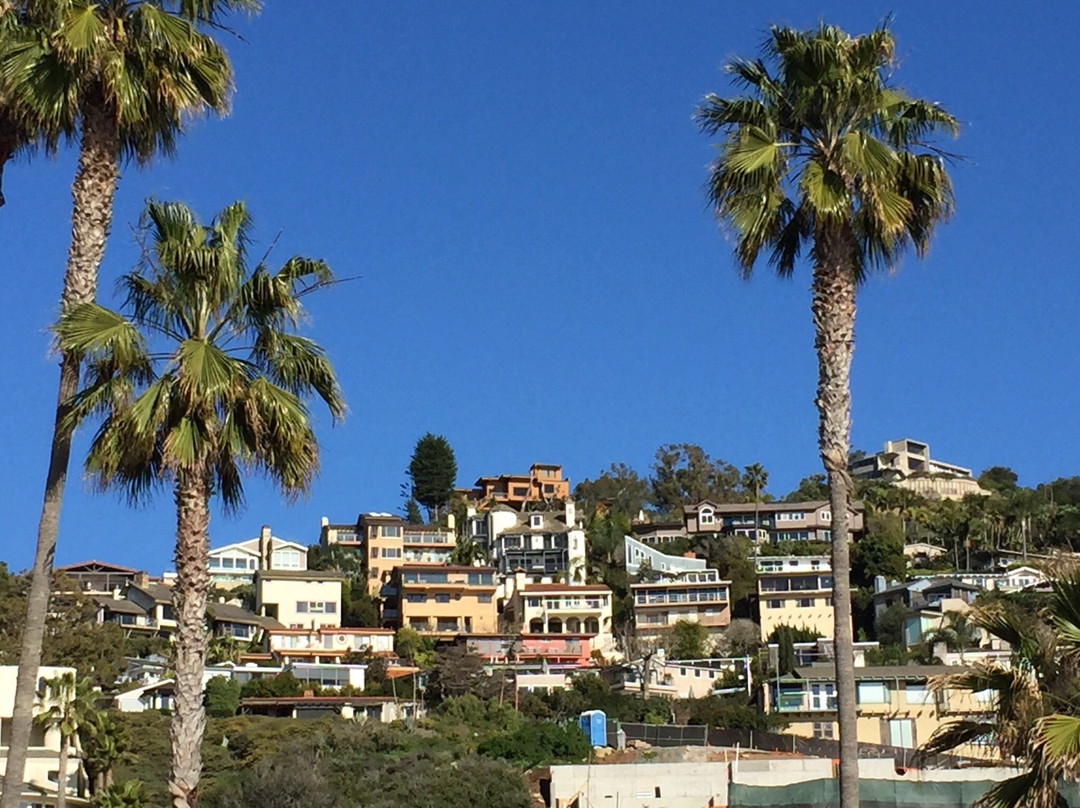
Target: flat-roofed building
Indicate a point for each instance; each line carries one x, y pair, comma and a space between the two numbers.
543, 483
299, 598
638, 556
695, 596
795, 591
907, 463
328, 644
445, 600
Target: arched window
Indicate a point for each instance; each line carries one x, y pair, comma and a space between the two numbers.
592, 626
555, 626
536, 626
573, 625
705, 516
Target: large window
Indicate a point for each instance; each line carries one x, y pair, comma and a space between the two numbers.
872, 693
316, 607
285, 560
705, 516
391, 531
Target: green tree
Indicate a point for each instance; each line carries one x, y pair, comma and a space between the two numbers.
412, 512
956, 631
69, 705
106, 743
814, 488
538, 743
685, 474
999, 479
222, 696
128, 794
203, 380
618, 488
689, 640
733, 557
822, 151
754, 479
880, 552
123, 78
433, 473
457, 672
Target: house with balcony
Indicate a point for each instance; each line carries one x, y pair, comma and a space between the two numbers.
443, 600
562, 608
235, 564
795, 591
127, 614
922, 593
896, 704
42, 773
230, 620
695, 596
156, 602
548, 546
328, 644
384, 709
770, 522
102, 578
544, 483
1013, 580
299, 598
658, 532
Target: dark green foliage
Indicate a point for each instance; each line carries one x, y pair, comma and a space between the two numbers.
732, 556
796, 548
412, 512
358, 607
411, 645
999, 479
128, 794
689, 640
221, 697
879, 552
457, 672
814, 488
538, 742
728, 712
620, 489
684, 474
889, 625
433, 472
284, 684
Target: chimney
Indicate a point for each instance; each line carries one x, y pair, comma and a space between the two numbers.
264, 547
324, 521
879, 583
571, 514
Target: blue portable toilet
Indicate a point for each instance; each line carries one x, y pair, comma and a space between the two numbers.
594, 724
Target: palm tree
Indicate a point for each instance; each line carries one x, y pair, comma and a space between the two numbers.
106, 742
1033, 714
956, 631
754, 479
821, 151
202, 380
69, 706
123, 76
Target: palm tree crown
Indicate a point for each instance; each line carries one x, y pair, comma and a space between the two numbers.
205, 374
821, 141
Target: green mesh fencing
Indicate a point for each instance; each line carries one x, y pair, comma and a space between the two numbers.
872, 794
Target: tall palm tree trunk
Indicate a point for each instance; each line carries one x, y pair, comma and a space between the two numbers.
189, 597
92, 193
61, 773
834, 321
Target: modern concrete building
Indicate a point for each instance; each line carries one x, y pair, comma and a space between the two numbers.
543, 483
697, 596
235, 564
922, 593
908, 464
42, 771
770, 522
299, 598
445, 599
795, 591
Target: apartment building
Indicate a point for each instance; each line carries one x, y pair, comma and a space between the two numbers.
299, 598
445, 600
328, 644
562, 608
696, 596
895, 704
543, 483
908, 464
546, 545
795, 591
41, 773
770, 522
235, 564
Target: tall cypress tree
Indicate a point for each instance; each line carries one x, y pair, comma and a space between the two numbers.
433, 471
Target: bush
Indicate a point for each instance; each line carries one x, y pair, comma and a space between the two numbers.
537, 743
222, 697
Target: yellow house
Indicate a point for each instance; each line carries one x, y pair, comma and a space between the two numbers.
896, 705
443, 599
299, 598
42, 759
795, 591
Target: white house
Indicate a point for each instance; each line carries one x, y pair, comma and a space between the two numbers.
235, 564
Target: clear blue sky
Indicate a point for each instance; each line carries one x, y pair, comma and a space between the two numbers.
520, 187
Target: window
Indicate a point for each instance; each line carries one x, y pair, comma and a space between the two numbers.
416, 597
775, 604
536, 520
227, 563
391, 552
301, 607
706, 517
483, 598
374, 552
806, 603
521, 491
826, 516
823, 696
549, 488
391, 531
533, 603
442, 598
872, 693
918, 693
901, 733
823, 729
446, 624
215, 562
285, 560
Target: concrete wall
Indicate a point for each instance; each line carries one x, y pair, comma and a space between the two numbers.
639, 785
